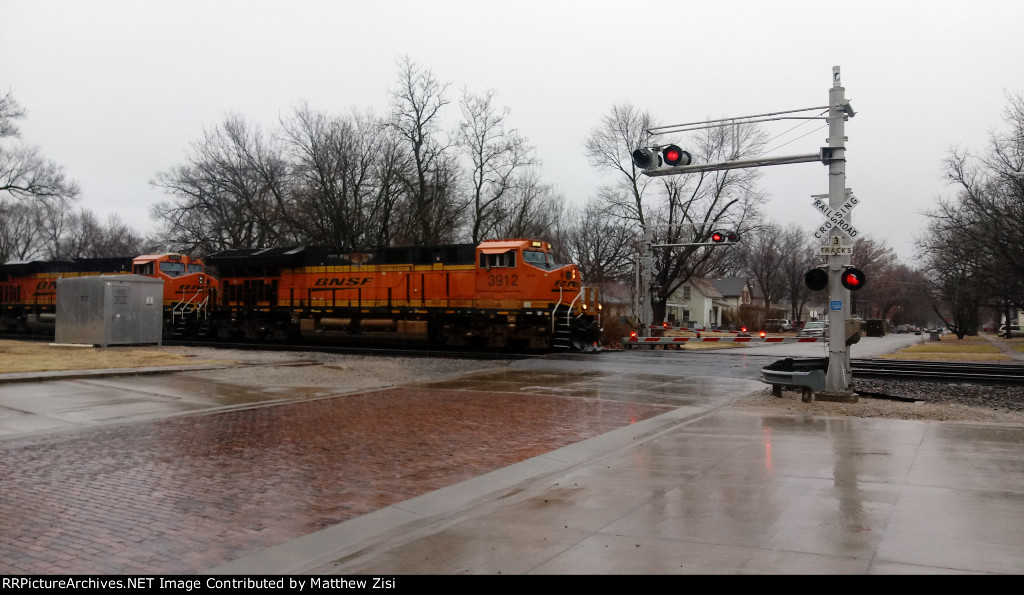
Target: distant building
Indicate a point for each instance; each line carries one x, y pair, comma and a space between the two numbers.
736, 291
696, 303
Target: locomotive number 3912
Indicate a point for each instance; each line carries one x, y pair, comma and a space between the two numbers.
503, 280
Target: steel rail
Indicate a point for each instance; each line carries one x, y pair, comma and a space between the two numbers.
938, 371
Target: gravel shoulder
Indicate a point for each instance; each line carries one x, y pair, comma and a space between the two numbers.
933, 402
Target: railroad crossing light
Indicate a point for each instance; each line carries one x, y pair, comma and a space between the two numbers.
673, 156
725, 237
853, 279
655, 157
647, 158
816, 279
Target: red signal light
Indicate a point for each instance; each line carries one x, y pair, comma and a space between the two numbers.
673, 155
722, 236
763, 334
743, 329
853, 279
632, 334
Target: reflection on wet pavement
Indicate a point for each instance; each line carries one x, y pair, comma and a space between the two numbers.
642, 388
182, 494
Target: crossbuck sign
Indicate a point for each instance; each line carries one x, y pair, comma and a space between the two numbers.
835, 218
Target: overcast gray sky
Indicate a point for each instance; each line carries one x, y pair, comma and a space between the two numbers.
116, 90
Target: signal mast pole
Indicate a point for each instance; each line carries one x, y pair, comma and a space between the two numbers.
837, 213
838, 376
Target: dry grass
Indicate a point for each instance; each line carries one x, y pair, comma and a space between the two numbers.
951, 349
18, 356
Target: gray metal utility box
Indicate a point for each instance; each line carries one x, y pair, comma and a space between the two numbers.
110, 310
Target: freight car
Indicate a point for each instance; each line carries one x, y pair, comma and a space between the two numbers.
28, 290
498, 294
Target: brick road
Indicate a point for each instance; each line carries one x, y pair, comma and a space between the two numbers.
182, 495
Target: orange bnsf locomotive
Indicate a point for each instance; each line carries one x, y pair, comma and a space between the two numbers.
28, 290
497, 294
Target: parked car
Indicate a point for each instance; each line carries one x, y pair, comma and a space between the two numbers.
1015, 330
778, 325
814, 329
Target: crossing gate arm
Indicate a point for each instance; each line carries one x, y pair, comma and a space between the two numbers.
638, 341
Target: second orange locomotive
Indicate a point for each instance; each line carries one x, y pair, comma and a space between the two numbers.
501, 293
28, 290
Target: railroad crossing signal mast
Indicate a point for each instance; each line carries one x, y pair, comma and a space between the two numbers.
671, 160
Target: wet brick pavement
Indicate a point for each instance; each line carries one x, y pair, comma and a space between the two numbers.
185, 494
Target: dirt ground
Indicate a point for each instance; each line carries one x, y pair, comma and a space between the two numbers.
29, 356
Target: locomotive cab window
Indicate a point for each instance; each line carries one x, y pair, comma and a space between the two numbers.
195, 268
538, 259
502, 260
172, 269
144, 269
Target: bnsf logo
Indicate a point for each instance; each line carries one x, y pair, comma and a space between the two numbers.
46, 285
346, 282
185, 288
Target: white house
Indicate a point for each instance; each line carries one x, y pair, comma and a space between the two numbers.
697, 302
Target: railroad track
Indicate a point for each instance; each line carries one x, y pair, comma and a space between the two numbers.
938, 371
359, 350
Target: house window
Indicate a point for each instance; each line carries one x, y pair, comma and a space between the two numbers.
686, 292
686, 314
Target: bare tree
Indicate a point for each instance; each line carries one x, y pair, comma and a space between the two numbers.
344, 176
231, 192
431, 201
763, 253
19, 235
603, 248
496, 155
798, 258
530, 209
85, 236
877, 259
24, 172
978, 237
684, 209
609, 148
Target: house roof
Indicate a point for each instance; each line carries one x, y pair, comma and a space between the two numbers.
616, 293
705, 287
730, 286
